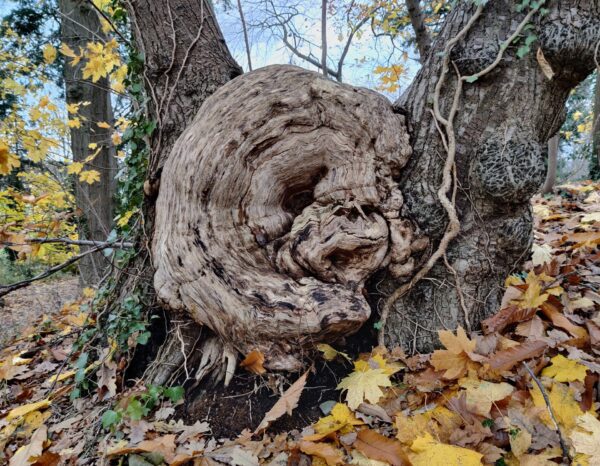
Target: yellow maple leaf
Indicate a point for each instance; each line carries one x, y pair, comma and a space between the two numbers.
455, 359
364, 384
68, 52
73, 108
74, 168
89, 176
565, 370
74, 123
341, 419
103, 124
586, 439
533, 296
8, 161
562, 399
49, 53
429, 452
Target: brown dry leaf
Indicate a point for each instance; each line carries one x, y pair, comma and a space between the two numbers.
504, 360
285, 404
253, 362
164, 445
378, 447
28, 454
327, 452
107, 379
544, 65
455, 360
552, 312
505, 317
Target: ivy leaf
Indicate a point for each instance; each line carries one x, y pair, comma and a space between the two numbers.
135, 410
174, 393
110, 418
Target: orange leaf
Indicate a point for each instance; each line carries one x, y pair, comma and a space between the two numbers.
254, 362
378, 447
504, 360
325, 451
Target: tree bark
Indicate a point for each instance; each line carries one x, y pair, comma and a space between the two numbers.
502, 127
417, 20
186, 60
79, 25
262, 195
595, 162
553, 145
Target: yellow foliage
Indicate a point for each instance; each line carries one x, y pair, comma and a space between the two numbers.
565, 370
89, 176
49, 53
364, 384
428, 452
565, 407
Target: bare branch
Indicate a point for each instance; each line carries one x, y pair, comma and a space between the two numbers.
245, 30
117, 244
324, 37
6, 289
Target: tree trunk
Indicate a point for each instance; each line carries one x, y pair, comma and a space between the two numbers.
553, 145
80, 25
417, 20
288, 190
186, 60
503, 123
595, 162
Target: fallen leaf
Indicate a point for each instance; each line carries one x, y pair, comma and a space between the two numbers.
504, 360
331, 455
562, 399
285, 404
455, 360
378, 447
253, 362
428, 452
340, 419
24, 409
544, 65
363, 384
481, 395
565, 370
586, 439
27, 454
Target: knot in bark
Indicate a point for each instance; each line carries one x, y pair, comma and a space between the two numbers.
276, 204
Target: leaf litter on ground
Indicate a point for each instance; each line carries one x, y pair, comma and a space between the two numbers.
471, 402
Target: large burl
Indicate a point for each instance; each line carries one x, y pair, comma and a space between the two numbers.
276, 204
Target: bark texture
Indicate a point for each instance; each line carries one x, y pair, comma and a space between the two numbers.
553, 146
503, 124
79, 25
186, 60
276, 204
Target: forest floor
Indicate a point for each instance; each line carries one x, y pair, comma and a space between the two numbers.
522, 391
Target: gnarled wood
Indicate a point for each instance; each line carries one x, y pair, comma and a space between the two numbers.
276, 205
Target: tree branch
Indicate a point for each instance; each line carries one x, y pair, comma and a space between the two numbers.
6, 289
245, 30
418, 23
324, 36
117, 244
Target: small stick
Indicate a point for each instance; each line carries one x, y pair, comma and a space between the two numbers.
563, 445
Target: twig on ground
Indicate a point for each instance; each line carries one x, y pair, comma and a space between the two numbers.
563, 445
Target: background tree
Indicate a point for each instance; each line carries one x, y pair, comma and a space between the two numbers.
90, 129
